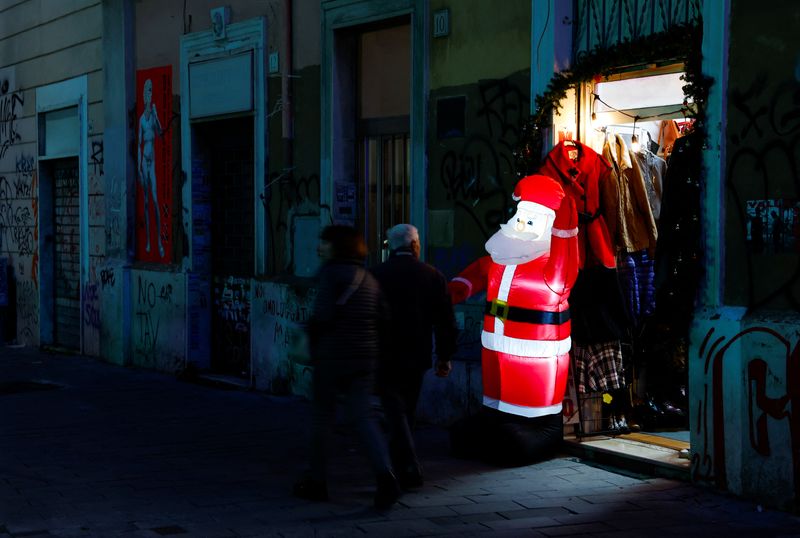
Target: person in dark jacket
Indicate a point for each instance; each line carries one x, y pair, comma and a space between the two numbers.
420, 308
344, 337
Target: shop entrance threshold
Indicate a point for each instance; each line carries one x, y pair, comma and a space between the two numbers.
643, 453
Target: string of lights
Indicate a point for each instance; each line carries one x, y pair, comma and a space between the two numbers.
635, 117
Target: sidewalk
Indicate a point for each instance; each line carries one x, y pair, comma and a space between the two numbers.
91, 449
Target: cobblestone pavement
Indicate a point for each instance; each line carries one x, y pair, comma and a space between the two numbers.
92, 449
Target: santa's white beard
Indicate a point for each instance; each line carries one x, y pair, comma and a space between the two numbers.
506, 250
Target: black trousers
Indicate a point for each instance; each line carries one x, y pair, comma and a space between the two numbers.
400, 390
355, 380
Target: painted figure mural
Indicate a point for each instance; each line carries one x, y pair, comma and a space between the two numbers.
149, 127
154, 165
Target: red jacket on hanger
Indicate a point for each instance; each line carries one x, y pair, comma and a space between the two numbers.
581, 170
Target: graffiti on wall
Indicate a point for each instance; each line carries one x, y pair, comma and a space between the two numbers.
91, 306
763, 180
18, 208
27, 311
231, 325
478, 174
290, 197
282, 307
92, 290
773, 391
108, 278
773, 225
10, 109
149, 298
19, 211
154, 165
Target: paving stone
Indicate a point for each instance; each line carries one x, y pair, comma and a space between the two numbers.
576, 530
539, 523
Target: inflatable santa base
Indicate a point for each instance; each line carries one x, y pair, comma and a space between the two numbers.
506, 439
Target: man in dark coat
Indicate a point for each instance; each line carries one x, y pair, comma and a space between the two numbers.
420, 308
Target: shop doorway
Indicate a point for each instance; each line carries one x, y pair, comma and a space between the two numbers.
384, 86
372, 142
224, 153
633, 397
223, 187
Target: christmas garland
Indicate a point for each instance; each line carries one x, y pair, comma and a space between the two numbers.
679, 43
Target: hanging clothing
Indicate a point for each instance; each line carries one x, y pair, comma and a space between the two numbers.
598, 367
653, 169
582, 172
624, 198
597, 306
667, 135
678, 264
636, 279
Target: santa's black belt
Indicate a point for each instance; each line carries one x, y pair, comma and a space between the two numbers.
501, 309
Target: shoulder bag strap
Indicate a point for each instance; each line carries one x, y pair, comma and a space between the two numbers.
358, 278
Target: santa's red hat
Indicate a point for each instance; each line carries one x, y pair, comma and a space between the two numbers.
537, 190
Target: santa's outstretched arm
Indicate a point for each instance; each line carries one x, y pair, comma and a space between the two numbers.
470, 281
562, 267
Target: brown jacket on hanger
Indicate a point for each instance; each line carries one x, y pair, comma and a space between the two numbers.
667, 135
625, 204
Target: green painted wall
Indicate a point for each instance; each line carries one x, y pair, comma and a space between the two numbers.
293, 194
487, 40
763, 161
471, 177
484, 63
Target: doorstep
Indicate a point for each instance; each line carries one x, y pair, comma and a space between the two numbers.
637, 452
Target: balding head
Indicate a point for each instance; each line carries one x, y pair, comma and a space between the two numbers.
403, 236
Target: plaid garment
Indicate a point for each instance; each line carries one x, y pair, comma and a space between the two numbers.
598, 367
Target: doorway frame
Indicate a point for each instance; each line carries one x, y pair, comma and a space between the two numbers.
56, 96
246, 36
343, 14
249, 35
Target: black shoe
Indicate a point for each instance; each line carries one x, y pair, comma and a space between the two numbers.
388, 491
311, 490
410, 479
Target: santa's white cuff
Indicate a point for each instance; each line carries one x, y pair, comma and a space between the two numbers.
565, 234
464, 281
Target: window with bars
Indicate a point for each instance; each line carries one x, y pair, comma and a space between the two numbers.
384, 187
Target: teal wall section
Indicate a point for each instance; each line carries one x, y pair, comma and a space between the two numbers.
471, 177
745, 357
743, 387
763, 160
293, 187
485, 42
275, 308
483, 66
158, 331
485, 63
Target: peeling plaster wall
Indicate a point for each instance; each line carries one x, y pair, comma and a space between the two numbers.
744, 385
39, 47
159, 320
275, 308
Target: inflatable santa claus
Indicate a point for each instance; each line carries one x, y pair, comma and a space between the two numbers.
531, 267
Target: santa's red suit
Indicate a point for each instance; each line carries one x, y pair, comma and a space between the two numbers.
526, 326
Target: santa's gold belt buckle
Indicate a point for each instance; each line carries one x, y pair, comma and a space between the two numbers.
499, 309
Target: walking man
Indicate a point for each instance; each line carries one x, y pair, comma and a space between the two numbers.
420, 308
